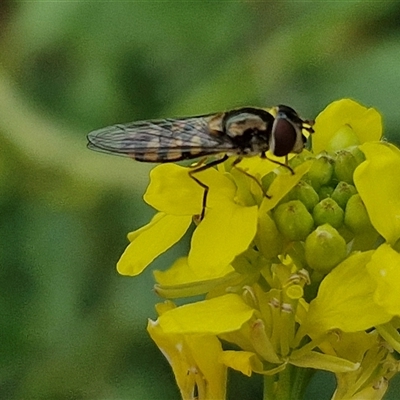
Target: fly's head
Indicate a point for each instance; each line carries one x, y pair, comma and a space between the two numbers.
287, 132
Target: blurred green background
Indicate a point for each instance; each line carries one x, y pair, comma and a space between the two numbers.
71, 328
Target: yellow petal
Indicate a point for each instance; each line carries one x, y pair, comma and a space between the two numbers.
181, 273
283, 184
172, 191
324, 362
384, 267
345, 299
206, 351
167, 305
372, 392
194, 360
152, 240
378, 183
218, 315
157, 217
366, 124
354, 345
172, 346
224, 233
258, 166
182, 280
244, 361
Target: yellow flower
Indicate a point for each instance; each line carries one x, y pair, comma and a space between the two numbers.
229, 225
368, 280
215, 242
378, 184
384, 268
294, 279
344, 297
222, 314
150, 241
193, 358
231, 318
345, 123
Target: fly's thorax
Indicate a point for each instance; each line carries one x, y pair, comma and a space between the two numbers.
258, 144
246, 120
244, 124
248, 129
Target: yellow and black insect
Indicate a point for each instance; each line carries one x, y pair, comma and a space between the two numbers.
241, 132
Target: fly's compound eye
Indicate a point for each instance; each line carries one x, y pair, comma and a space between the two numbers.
284, 137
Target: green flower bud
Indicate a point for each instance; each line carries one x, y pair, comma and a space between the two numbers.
248, 262
357, 153
320, 172
327, 211
355, 216
267, 180
345, 165
357, 220
343, 138
293, 220
300, 158
346, 233
268, 240
324, 249
306, 194
342, 193
324, 192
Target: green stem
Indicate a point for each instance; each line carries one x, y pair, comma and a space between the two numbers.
269, 385
290, 384
283, 388
300, 381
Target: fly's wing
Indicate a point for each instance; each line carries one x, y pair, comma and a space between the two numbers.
162, 140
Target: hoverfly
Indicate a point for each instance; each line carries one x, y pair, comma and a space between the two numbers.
241, 132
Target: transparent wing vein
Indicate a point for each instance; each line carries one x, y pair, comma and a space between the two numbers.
160, 140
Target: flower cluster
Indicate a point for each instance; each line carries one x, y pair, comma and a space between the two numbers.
306, 278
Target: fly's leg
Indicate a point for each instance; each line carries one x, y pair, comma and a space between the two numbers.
206, 189
264, 156
200, 168
198, 163
285, 165
234, 165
